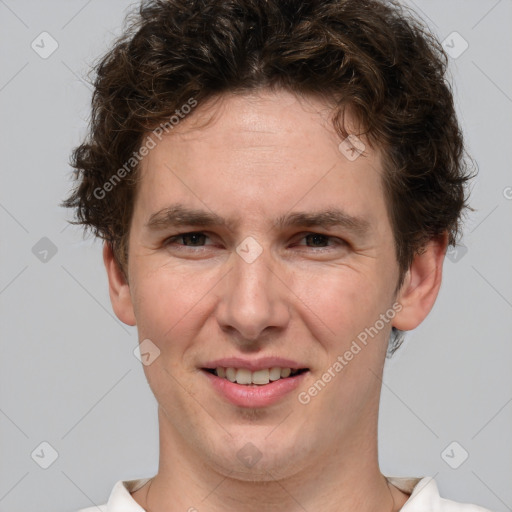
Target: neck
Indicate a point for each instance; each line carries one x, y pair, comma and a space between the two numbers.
341, 480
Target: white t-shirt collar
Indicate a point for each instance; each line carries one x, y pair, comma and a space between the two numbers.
424, 497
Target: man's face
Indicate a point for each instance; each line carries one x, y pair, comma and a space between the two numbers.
261, 291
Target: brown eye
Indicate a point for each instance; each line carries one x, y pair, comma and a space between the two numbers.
318, 240
193, 239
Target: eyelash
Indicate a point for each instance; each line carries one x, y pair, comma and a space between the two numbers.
173, 238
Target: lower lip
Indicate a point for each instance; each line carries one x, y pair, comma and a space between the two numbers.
253, 395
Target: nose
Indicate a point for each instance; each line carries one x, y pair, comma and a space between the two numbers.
254, 301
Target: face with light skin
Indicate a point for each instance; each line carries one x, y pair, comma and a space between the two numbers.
253, 159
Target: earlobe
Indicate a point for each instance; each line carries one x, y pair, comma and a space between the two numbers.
421, 285
119, 288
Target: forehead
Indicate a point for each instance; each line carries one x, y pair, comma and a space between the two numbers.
264, 121
256, 153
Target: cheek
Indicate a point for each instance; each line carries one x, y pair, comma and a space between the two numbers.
163, 300
172, 305
340, 303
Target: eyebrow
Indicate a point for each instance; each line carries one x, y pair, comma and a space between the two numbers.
178, 215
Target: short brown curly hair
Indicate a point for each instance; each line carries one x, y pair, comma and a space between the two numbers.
370, 55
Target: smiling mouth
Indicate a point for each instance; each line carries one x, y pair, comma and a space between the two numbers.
262, 377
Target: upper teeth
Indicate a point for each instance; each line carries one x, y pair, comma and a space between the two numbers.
245, 376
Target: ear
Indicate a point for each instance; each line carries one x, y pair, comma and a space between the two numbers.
119, 288
421, 284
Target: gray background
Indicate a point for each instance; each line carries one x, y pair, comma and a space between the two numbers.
68, 373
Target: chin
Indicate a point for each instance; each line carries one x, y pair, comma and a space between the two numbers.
260, 455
